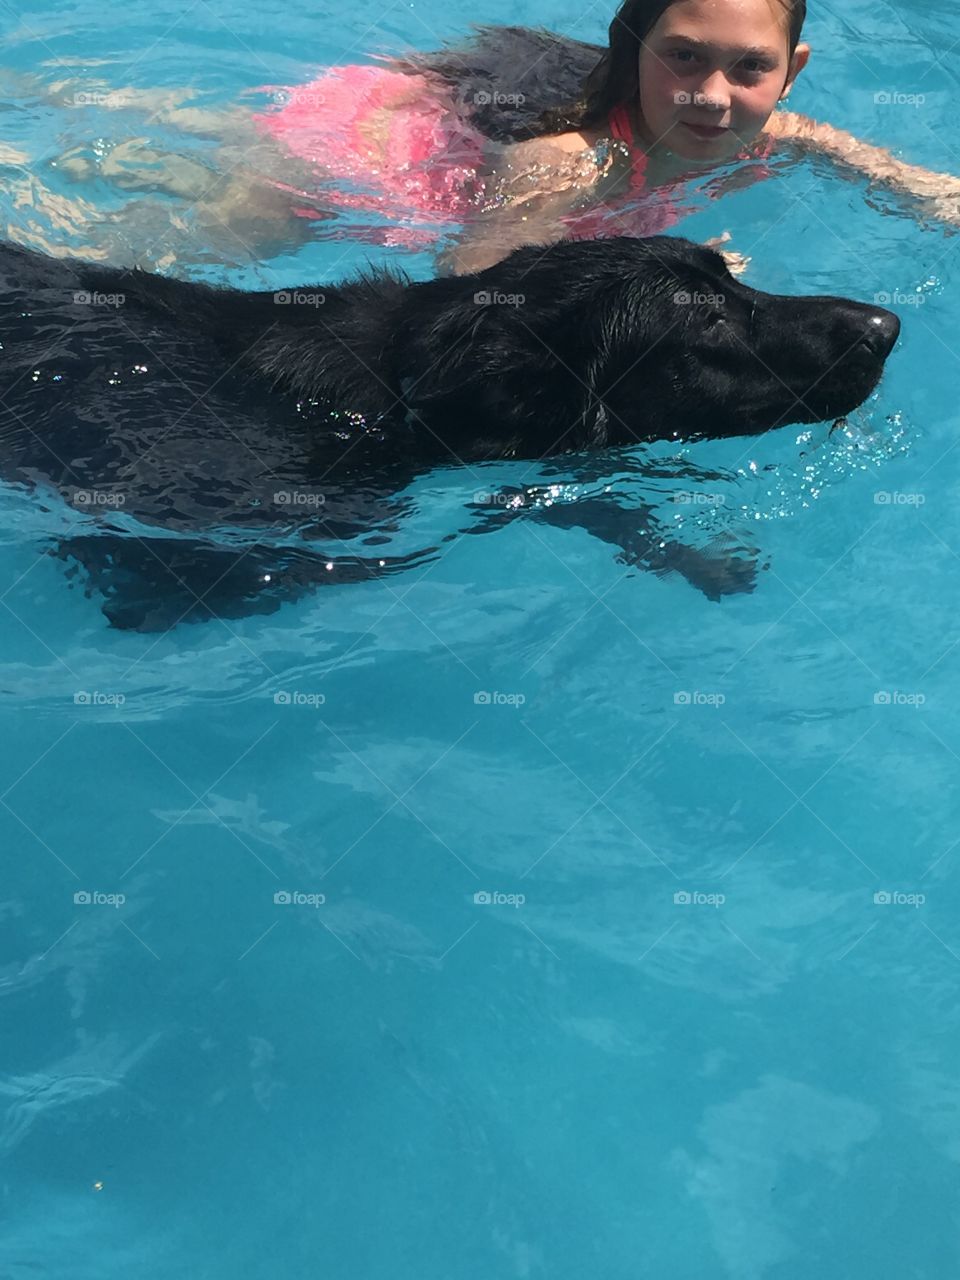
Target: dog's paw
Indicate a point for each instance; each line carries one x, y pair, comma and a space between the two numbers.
724, 567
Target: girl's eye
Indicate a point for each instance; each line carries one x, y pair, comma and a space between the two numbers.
754, 67
686, 56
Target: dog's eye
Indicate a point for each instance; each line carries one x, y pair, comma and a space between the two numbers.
716, 318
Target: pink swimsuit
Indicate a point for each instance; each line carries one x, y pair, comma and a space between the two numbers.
404, 151
400, 149
619, 122
646, 218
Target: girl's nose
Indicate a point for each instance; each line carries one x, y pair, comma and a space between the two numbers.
714, 92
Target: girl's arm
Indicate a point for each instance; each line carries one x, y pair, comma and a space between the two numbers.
530, 188
155, 106
940, 192
491, 236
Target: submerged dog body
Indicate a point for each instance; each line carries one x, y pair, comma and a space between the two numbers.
199, 405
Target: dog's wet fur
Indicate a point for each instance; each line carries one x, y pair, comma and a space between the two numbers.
190, 408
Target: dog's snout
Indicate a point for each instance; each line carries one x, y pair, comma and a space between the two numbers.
881, 330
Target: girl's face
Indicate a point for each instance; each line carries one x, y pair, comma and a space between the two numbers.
711, 72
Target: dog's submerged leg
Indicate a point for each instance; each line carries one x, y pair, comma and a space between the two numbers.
152, 584
724, 566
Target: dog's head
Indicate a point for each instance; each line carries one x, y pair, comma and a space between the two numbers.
663, 341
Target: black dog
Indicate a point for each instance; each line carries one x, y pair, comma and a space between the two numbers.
235, 425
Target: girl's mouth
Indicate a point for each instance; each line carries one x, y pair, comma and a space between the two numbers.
705, 131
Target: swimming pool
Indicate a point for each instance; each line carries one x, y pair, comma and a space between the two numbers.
523, 916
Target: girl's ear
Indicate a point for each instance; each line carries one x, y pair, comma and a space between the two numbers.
801, 57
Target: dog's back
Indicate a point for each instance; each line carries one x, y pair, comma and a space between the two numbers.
158, 393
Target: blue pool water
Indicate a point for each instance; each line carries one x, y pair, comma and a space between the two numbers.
605, 1079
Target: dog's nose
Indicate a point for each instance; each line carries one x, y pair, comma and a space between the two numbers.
881, 331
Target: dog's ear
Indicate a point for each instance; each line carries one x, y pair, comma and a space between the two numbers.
627, 324
595, 418
491, 381
540, 372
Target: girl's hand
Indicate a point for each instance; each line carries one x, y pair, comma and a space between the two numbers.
937, 194
946, 209
736, 262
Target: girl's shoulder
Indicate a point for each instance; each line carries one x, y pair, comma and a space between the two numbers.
569, 165
572, 143
575, 140
597, 144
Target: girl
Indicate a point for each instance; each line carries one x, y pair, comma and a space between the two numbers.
524, 137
